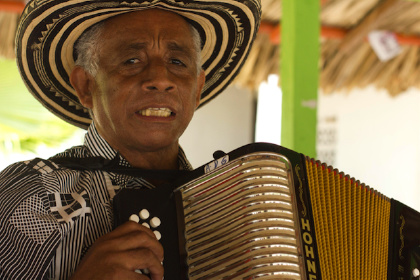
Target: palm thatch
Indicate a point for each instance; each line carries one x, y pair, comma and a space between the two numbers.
347, 59
350, 61
8, 24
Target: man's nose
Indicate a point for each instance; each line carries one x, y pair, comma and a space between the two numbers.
158, 78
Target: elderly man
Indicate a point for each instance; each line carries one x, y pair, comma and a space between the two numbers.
142, 97
133, 73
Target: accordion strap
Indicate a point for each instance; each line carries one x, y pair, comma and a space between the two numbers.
103, 164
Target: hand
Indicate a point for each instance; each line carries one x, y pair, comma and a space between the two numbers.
119, 253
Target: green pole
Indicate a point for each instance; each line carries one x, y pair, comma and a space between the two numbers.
300, 51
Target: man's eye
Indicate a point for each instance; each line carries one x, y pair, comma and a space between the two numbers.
177, 62
132, 61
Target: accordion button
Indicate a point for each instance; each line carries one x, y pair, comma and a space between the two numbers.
144, 214
145, 225
155, 222
134, 218
157, 234
416, 272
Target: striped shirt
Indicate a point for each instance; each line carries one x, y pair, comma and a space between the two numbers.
51, 215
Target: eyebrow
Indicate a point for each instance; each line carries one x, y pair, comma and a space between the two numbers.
173, 46
135, 46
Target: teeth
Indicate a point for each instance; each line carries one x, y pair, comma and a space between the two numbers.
156, 112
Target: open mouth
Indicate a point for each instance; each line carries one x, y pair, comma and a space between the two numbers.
156, 112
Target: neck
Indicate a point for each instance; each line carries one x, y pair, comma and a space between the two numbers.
152, 157
164, 159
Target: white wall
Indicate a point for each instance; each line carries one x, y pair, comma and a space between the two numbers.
378, 139
225, 123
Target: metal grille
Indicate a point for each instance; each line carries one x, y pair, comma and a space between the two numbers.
240, 221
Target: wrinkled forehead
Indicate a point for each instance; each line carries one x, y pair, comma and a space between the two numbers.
140, 31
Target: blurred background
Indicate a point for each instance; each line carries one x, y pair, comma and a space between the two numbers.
364, 94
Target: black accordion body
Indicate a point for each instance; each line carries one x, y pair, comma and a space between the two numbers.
265, 212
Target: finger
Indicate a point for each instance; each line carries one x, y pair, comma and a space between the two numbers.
122, 274
130, 236
130, 226
138, 240
142, 276
129, 275
144, 259
120, 265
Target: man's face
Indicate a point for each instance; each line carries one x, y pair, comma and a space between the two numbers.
147, 86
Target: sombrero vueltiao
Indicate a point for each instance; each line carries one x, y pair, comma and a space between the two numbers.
48, 30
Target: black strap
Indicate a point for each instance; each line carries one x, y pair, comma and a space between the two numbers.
100, 163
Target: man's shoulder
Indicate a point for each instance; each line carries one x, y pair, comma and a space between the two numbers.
17, 172
40, 201
74, 152
38, 166
38, 179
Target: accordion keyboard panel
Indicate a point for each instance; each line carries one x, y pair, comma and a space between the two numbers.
240, 221
351, 223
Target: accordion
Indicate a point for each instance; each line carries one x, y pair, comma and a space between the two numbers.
266, 212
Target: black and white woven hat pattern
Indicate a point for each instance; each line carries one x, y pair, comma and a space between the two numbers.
48, 30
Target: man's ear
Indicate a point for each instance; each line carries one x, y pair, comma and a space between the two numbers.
200, 84
82, 83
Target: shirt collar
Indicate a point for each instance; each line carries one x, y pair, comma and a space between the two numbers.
98, 146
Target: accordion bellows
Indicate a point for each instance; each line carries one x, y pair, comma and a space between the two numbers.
351, 225
266, 212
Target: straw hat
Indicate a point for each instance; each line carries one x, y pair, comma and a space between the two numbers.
48, 30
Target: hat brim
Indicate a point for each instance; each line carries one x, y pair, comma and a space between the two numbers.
48, 30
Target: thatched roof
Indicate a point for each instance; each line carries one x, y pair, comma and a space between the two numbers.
347, 59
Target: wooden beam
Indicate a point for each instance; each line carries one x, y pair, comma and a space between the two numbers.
12, 6
273, 30
408, 40
332, 33
300, 54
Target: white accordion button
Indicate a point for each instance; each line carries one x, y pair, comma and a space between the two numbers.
155, 222
157, 234
144, 214
134, 218
416, 272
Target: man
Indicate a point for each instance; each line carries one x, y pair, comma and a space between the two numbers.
133, 74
